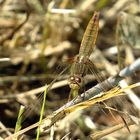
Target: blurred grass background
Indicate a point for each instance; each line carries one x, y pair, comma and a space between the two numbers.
37, 36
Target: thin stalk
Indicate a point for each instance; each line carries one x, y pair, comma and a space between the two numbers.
19, 120
41, 114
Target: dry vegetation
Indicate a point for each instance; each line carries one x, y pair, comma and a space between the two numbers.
38, 39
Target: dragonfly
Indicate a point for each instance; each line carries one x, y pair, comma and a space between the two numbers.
81, 63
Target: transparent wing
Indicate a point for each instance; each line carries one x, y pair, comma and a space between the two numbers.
120, 103
29, 110
99, 76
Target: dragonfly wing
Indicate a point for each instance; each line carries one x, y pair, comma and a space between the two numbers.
40, 97
106, 85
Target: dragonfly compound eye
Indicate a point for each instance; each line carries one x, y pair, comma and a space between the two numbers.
78, 80
71, 78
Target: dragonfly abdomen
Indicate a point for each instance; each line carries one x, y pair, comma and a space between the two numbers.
90, 36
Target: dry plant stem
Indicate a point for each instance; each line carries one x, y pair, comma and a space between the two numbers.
63, 11
20, 72
37, 6
65, 136
3, 101
11, 32
100, 98
6, 59
127, 71
34, 54
10, 23
100, 134
52, 133
112, 12
85, 5
22, 78
35, 91
4, 129
129, 55
135, 99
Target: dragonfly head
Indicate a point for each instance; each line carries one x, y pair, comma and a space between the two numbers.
75, 82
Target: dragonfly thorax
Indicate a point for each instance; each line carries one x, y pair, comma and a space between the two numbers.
78, 70
81, 59
75, 82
